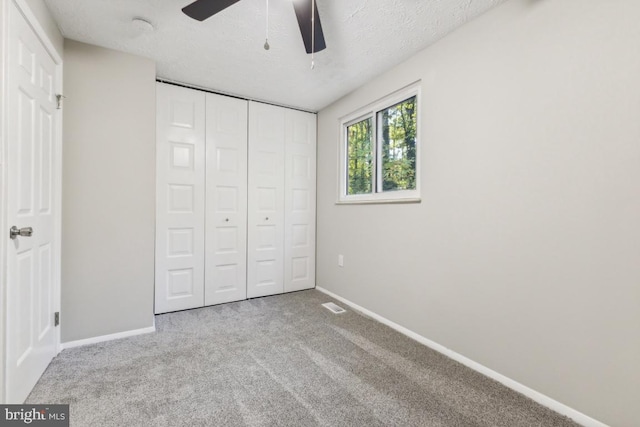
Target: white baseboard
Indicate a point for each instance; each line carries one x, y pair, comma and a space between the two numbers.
542, 399
102, 338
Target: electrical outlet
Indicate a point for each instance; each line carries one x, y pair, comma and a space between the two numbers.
340, 260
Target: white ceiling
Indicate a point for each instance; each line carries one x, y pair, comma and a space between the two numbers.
225, 53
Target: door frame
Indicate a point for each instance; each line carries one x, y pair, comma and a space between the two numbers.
31, 19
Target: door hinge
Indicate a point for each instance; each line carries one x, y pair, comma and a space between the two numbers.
56, 318
59, 97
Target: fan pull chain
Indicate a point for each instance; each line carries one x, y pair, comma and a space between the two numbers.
313, 33
266, 41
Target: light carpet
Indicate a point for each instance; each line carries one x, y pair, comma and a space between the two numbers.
277, 361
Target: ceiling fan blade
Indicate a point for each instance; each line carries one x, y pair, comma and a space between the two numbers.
203, 9
303, 13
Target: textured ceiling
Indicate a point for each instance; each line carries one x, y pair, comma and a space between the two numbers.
225, 53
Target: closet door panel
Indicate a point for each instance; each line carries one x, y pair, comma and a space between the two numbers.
300, 201
226, 195
266, 200
180, 131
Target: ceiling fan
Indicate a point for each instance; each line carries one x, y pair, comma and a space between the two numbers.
203, 9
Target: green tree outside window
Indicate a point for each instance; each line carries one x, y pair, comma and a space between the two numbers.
399, 146
360, 161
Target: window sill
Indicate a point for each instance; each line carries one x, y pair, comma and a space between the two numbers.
379, 201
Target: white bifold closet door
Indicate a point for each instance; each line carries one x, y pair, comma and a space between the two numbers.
281, 220
235, 199
265, 256
226, 200
180, 192
300, 201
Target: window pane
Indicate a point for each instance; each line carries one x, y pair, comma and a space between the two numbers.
398, 132
359, 156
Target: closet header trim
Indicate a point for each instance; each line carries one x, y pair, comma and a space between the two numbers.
203, 89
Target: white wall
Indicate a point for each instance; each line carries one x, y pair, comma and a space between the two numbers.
524, 254
108, 207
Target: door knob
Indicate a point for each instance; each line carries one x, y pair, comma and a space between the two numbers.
15, 232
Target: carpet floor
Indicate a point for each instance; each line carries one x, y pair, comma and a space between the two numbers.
277, 361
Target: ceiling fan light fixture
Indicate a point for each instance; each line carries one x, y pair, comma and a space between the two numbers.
306, 14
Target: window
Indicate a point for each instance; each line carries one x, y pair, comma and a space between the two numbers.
379, 151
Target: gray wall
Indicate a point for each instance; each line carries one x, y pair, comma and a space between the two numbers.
524, 253
108, 208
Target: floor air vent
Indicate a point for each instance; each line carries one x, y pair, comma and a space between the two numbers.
336, 309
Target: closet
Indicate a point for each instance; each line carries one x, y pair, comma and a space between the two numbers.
235, 192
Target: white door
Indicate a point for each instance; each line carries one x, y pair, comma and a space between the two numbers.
300, 201
31, 338
226, 206
265, 252
180, 194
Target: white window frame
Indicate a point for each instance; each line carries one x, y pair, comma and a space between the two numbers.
371, 111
